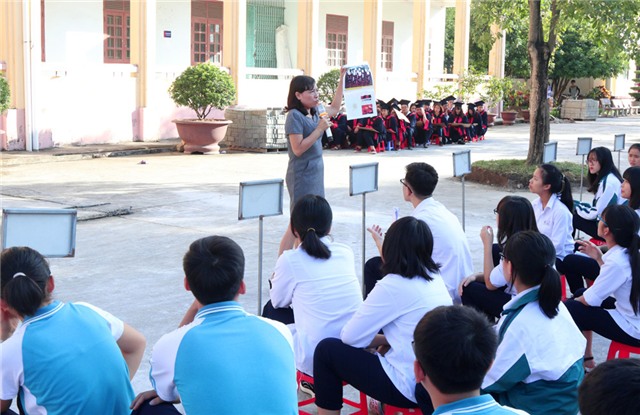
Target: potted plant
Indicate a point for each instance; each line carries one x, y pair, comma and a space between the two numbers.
516, 97
493, 93
202, 88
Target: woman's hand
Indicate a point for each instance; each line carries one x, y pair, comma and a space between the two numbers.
323, 124
377, 235
591, 249
486, 234
145, 396
467, 281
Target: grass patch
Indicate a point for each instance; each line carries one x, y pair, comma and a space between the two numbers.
515, 173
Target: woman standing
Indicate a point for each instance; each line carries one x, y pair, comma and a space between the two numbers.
304, 129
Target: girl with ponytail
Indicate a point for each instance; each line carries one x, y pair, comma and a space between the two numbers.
61, 348
553, 208
540, 349
314, 284
611, 306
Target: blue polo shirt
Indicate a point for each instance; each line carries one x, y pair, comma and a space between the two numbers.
227, 362
478, 405
65, 360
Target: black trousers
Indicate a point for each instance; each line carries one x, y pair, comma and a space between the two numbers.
575, 268
283, 315
590, 227
162, 409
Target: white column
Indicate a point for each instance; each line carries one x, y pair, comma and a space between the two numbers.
421, 26
234, 34
496, 55
461, 42
436, 32
372, 35
308, 38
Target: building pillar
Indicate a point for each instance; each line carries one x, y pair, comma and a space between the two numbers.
308, 39
372, 36
496, 55
143, 55
20, 51
461, 42
436, 34
421, 48
234, 38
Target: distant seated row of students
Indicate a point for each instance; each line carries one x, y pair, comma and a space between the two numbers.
398, 125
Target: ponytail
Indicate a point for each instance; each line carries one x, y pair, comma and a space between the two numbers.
24, 276
311, 220
566, 197
532, 258
550, 292
559, 184
313, 246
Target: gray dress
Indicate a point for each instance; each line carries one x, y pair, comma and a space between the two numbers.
305, 174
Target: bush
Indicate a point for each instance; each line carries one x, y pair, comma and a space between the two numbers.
5, 94
327, 85
202, 88
518, 172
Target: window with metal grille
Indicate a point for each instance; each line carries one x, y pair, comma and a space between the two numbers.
117, 30
206, 31
386, 57
337, 40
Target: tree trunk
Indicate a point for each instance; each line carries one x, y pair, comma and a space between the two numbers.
539, 56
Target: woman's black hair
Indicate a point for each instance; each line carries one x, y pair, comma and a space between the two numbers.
559, 184
515, 214
24, 274
624, 223
632, 175
604, 157
532, 257
311, 220
407, 249
634, 146
300, 84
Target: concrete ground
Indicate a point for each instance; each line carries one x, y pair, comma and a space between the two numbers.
130, 265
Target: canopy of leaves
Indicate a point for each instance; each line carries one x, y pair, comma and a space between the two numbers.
327, 84
202, 88
5, 94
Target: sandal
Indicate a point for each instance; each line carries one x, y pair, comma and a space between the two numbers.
588, 363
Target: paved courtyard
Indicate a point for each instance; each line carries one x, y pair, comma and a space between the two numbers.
130, 264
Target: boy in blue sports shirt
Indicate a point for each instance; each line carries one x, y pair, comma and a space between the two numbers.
455, 347
223, 360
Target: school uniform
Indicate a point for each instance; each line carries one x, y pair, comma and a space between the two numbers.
555, 222
65, 360
409, 129
477, 405
441, 132
391, 125
538, 365
339, 130
324, 295
458, 134
483, 125
608, 193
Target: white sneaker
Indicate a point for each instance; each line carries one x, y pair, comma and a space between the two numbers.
307, 388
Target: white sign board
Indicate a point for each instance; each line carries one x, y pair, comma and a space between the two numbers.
363, 178
618, 142
584, 146
52, 232
461, 163
550, 152
260, 198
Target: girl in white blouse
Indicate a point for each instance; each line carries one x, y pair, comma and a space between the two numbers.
611, 306
384, 323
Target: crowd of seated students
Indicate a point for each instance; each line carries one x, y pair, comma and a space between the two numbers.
407, 344
399, 124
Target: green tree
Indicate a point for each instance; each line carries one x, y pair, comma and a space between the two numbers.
610, 24
5, 95
327, 85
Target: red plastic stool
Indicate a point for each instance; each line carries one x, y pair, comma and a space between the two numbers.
361, 406
621, 351
392, 410
563, 287
380, 146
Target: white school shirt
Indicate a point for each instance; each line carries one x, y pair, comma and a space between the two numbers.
450, 245
608, 193
395, 306
614, 280
324, 295
556, 222
498, 279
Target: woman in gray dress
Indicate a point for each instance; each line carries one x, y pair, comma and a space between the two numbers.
304, 129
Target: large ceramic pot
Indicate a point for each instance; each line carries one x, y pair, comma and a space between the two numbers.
525, 114
202, 136
509, 117
491, 119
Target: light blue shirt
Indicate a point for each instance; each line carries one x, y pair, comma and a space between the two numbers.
65, 360
478, 405
227, 362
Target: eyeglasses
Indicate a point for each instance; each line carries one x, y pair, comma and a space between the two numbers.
599, 219
592, 161
495, 211
404, 183
502, 257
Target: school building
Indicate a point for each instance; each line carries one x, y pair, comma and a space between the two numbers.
98, 71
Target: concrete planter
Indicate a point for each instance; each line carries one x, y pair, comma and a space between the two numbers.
579, 109
202, 136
